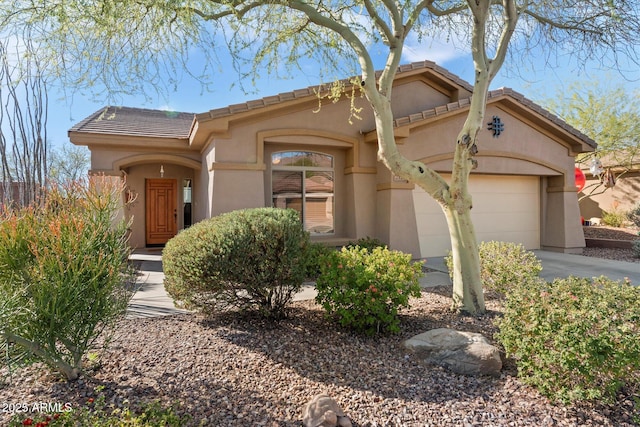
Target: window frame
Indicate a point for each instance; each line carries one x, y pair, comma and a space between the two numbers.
303, 170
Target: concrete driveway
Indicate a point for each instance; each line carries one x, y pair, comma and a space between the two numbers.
559, 265
151, 299
562, 265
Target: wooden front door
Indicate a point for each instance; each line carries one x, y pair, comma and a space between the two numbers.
161, 212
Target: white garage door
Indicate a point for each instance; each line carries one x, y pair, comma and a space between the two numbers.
505, 208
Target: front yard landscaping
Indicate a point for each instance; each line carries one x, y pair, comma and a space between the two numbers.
232, 370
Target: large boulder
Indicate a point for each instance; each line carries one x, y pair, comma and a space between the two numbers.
323, 411
465, 353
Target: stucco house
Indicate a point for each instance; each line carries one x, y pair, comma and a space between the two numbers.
288, 151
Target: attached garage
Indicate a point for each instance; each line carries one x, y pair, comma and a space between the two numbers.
505, 208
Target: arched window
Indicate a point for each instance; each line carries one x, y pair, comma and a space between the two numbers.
304, 181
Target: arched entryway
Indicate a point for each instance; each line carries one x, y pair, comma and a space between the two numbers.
162, 193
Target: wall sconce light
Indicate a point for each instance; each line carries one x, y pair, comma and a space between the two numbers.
161, 171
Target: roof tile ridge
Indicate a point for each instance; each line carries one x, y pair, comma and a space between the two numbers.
427, 64
315, 89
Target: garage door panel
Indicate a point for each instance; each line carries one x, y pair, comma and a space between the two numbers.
505, 208
487, 202
435, 241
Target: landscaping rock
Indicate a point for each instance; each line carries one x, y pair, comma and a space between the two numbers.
465, 353
323, 411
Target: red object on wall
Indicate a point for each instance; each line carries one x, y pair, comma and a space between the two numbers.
581, 180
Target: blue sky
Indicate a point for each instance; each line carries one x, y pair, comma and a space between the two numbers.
537, 81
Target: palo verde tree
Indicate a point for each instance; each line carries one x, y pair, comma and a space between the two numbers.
610, 115
120, 43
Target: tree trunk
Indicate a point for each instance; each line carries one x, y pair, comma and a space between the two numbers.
70, 372
467, 285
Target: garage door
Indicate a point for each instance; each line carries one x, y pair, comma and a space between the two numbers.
505, 208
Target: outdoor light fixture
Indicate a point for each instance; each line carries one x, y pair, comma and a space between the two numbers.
161, 171
496, 126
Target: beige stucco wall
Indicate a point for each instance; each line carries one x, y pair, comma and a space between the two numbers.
414, 96
623, 197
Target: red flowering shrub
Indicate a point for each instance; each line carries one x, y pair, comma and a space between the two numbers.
62, 280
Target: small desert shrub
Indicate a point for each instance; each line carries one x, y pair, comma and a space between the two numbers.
504, 265
634, 215
64, 275
635, 247
574, 339
369, 243
364, 290
253, 259
614, 217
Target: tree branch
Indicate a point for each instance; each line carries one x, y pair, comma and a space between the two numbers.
382, 26
562, 26
510, 16
343, 30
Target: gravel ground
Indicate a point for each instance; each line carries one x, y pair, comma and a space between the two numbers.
231, 370
241, 371
604, 232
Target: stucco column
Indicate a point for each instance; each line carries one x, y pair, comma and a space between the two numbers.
360, 205
562, 225
396, 217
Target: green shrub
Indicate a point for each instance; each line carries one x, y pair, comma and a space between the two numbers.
96, 413
64, 275
364, 290
503, 265
574, 339
613, 218
634, 215
369, 243
315, 257
253, 259
635, 247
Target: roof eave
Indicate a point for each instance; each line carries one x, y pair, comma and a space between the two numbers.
128, 141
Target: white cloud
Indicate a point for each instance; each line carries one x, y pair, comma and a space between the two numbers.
432, 49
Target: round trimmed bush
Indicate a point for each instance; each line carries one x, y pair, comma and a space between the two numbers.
252, 259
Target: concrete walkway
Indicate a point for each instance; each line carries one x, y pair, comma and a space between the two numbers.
151, 300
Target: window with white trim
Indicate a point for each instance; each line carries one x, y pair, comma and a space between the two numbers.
304, 181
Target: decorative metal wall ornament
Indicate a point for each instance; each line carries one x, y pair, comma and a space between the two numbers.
596, 167
496, 126
130, 197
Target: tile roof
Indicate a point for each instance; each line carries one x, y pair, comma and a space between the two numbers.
312, 91
165, 124
521, 99
137, 122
